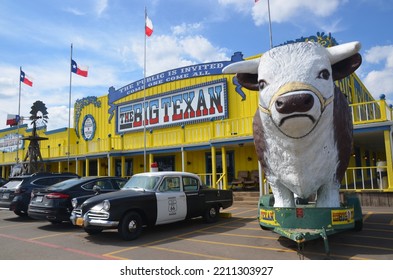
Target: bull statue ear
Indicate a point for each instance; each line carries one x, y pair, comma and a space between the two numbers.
248, 81
246, 73
346, 67
345, 59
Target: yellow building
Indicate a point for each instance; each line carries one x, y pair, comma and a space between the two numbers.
195, 117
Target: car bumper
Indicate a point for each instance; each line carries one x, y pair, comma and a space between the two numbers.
86, 221
49, 214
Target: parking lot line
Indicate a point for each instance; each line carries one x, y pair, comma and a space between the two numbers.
57, 247
13, 226
244, 228
51, 235
364, 246
366, 216
276, 249
241, 235
164, 240
189, 253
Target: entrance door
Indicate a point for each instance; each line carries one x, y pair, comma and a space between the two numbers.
171, 201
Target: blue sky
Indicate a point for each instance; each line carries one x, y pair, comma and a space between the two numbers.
108, 36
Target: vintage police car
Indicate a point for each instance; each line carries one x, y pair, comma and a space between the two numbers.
149, 199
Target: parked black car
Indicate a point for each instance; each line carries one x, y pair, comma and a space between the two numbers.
15, 194
54, 203
149, 199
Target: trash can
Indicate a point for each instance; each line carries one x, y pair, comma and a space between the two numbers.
382, 174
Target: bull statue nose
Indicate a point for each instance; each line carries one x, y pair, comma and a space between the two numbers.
302, 102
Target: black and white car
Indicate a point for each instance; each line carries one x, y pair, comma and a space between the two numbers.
149, 199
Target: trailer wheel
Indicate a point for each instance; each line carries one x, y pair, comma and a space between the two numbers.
212, 214
130, 226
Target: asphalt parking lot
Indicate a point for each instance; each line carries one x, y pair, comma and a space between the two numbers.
235, 237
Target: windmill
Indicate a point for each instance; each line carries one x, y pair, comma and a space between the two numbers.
33, 160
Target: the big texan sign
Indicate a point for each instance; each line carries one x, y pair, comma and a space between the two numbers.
199, 103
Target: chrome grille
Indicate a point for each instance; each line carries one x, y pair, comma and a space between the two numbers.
77, 212
98, 215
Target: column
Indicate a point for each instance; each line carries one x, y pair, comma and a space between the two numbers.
224, 167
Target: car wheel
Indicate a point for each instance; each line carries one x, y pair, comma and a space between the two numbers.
212, 214
20, 213
92, 231
130, 227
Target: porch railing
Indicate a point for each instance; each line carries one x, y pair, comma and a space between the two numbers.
207, 179
365, 178
371, 111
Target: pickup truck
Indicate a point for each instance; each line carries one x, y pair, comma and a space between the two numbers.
149, 199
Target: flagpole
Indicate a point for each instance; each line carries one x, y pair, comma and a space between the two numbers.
144, 95
20, 90
270, 24
69, 116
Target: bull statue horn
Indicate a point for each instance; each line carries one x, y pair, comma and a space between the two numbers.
341, 52
246, 66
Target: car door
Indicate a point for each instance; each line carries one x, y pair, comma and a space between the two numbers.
195, 198
171, 201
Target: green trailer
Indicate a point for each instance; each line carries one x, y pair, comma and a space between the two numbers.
307, 222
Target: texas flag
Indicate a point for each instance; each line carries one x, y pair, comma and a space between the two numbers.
12, 119
25, 79
78, 69
148, 27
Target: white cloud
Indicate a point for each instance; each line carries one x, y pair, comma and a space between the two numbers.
380, 53
97, 7
202, 50
100, 6
186, 28
286, 11
380, 81
58, 117
168, 52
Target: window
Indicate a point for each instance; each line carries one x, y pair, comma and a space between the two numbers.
49, 181
104, 184
170, 184
190, 184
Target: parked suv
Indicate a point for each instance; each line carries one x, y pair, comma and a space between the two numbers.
16, 193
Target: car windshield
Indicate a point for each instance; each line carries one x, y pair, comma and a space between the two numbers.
141, 182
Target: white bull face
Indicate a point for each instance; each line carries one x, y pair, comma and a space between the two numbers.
295, 86
295, 82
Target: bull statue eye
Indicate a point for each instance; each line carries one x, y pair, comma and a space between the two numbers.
262, 84
324, 74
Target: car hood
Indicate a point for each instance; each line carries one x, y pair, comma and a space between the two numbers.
114, 196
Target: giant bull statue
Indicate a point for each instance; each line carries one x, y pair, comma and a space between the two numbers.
303, 127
